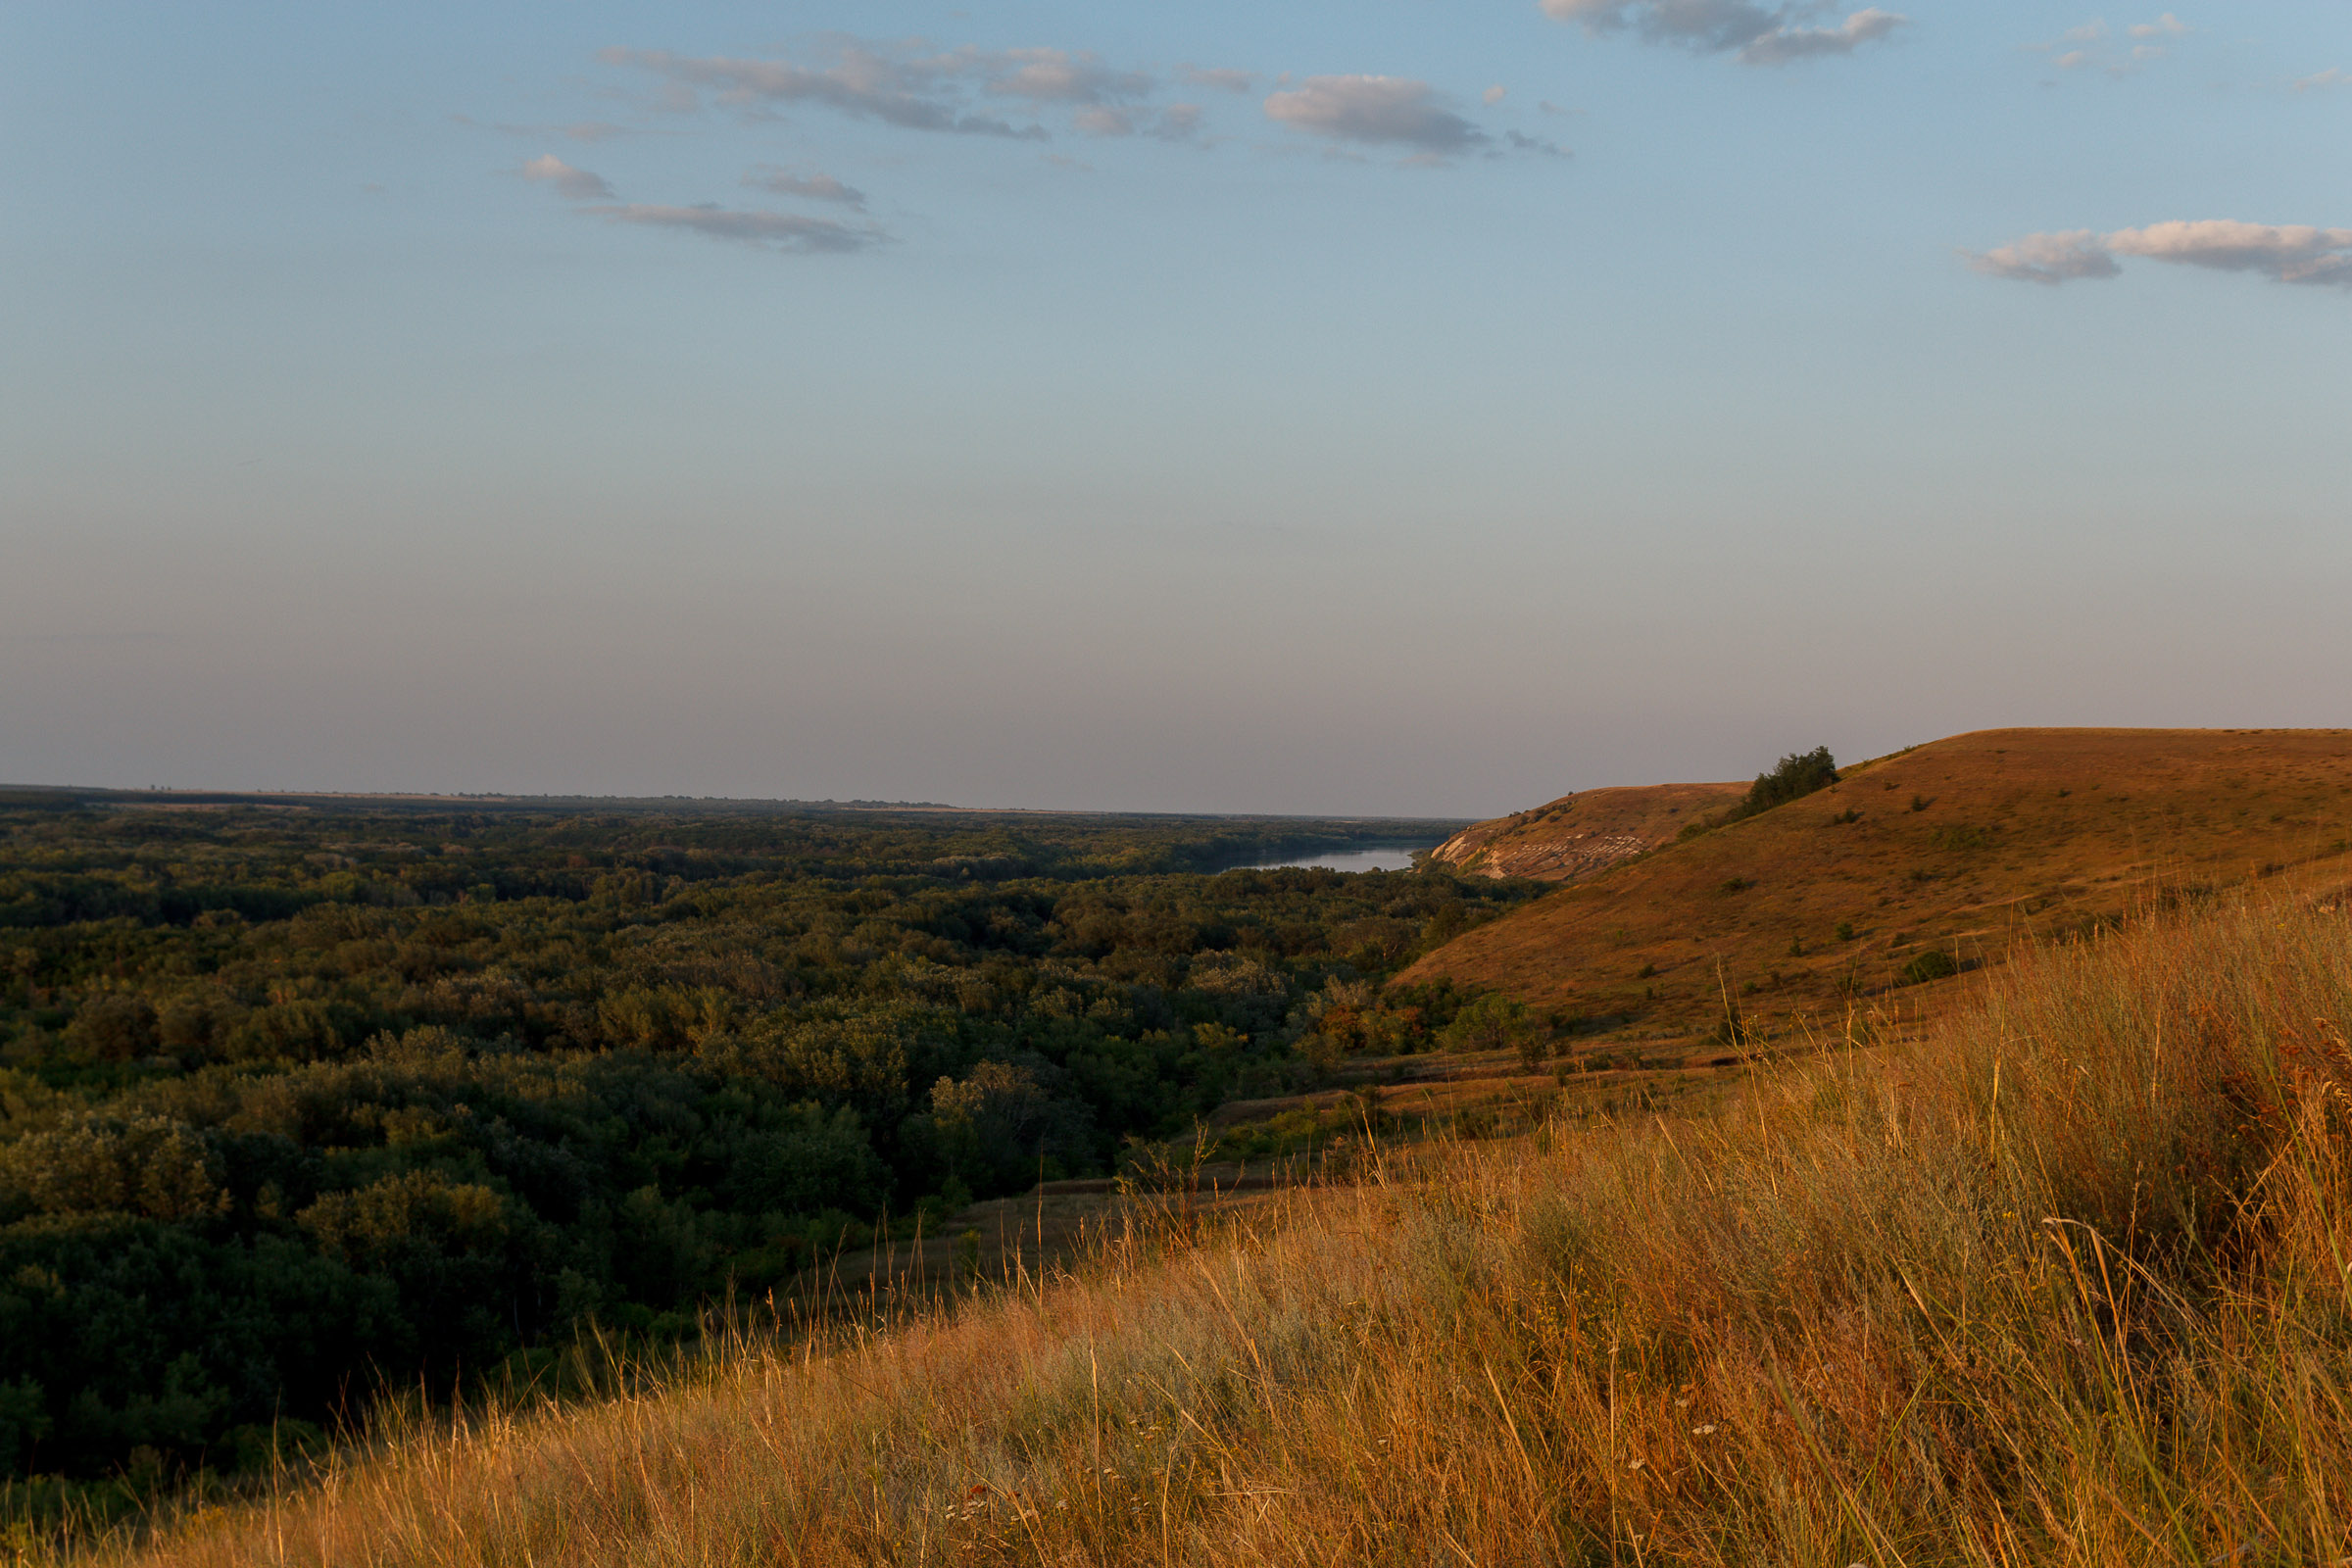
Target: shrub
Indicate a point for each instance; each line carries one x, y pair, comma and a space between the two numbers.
1935, 965
1797, 774
1489, 1023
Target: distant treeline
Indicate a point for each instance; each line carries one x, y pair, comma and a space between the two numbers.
296, 1103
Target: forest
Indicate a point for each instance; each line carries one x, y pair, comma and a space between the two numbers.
301, 1101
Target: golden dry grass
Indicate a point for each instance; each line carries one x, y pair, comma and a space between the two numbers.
2068, 1282
1963, 845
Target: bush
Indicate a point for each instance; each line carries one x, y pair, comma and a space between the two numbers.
1933, 966
1489, 1023
1796, 775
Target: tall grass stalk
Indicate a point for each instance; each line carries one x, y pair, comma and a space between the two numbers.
2068, 1282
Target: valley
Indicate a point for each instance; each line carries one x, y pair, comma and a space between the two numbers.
298, 1091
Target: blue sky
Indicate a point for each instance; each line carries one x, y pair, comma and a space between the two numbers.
1373, 406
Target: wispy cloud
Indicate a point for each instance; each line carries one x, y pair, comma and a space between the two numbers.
575, 184
906, 85
1395, 110
1171, 123
1179, 121
2048, 258
2094, 46
1757, 35
1046, 75
790, 232
1785, 43
1105, 120
815, 187
2322, 80
1218, 79
2286, 253
858, 82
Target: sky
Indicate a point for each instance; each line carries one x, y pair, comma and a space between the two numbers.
1379, 407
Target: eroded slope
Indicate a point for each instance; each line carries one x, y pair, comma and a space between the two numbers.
1582, 834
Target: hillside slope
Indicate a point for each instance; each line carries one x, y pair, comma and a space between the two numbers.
1865, 1318
1582, 835
1954, 847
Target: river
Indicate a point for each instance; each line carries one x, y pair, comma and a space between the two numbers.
1385, 857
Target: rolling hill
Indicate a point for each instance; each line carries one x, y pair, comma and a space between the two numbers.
1953, 848
1582, 834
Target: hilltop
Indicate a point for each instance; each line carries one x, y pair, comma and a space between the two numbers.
1911, 868
1582, 834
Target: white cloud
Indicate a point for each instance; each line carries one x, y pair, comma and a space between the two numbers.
1494, 95
867, 83
2290, 253
816, 187
1105, 120
2321, 81
906, 84
2090, 45
782, 232
1042, 76
1380, 110
2287, 252
1758, 36
575, 184
1175, 122
1218, 78
2047, 257
1785, 44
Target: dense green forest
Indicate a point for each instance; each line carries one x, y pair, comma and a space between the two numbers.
300, 1099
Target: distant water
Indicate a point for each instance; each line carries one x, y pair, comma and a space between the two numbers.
1390, 859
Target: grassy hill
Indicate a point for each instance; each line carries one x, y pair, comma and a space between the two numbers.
1955, 847
2061, 1282
1582, 834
